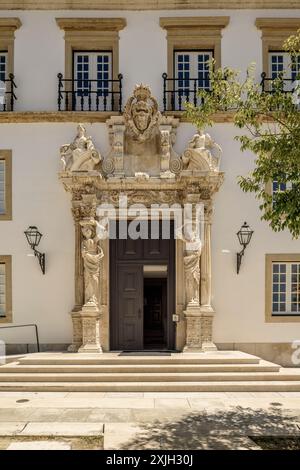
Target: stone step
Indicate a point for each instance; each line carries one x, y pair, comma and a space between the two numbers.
149, 377
249, 386
263, 366
82, 359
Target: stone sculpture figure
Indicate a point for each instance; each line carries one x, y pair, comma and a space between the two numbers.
81, 154
92, 254
192, 267
141, 114
198, 156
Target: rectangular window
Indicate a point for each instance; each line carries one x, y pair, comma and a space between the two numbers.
286, 288
2, 290
5, 185
279, 188
191, 73
281, 64
3, 65
3, 76
2, 188
5, 289
191, 66
283, 288
92, 73
296, 68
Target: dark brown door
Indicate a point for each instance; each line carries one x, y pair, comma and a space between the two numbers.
129, 305
127, 282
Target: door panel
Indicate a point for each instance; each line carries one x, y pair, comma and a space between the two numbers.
130, 306
156, 249
129, 249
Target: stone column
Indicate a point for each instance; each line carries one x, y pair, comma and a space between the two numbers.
207, 312
78, 281
199, 313
191, 260
92, 255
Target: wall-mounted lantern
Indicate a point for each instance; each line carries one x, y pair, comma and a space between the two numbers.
244, 235
34, 237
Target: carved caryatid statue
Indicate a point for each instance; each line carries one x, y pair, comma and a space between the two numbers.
81, 154
92, 254
192, 268
141, 114
199, 157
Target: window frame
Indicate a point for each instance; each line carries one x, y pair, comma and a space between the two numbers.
269, 260
6, 155
4, 53
7, 260
8, 26
274, 32
90, 35
188, 51
193, 33
111, 71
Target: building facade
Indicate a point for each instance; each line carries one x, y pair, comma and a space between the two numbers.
61, 67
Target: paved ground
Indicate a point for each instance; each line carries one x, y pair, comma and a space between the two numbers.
156, 420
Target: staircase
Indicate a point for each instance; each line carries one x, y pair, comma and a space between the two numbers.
147, 372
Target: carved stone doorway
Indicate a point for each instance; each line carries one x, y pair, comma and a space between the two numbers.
142, 293
143, 168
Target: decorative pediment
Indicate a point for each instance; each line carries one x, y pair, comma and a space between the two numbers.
142, 163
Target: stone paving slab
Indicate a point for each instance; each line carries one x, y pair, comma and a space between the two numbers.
130, 436
39, 445
10, 428
63, 429
82, 402
171, 403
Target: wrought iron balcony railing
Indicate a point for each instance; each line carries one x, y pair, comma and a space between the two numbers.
89, 95
284, 85
178, 91
7, 93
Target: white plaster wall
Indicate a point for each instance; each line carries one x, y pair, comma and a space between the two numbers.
38, 197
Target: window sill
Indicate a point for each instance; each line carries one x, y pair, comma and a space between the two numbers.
283, 319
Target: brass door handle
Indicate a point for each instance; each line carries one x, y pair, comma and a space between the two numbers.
139, 313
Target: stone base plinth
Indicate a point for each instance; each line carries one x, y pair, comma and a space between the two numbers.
90, 330
77, 332
199, 325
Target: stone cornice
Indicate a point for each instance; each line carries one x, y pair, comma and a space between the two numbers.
54, 116
192, 22
10, 24
91, 24
146, 4
202, 186
268, 25
24, 117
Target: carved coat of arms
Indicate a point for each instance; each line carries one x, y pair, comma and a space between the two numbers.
141, 114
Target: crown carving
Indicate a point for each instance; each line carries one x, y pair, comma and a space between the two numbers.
142, 92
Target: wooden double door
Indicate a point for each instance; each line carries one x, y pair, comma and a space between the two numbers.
142, 294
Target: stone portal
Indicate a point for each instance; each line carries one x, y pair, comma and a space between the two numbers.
143, 169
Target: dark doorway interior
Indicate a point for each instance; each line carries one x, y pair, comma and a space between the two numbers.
155, 313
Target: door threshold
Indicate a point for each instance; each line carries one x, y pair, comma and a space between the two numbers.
149, 352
